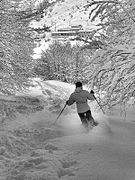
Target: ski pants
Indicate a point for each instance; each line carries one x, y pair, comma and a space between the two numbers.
86, 117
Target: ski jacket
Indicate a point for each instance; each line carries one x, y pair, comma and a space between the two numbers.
81, 97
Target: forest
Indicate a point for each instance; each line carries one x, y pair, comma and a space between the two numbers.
46, 46
104, 60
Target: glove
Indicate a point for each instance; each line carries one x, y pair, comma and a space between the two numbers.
92, 92
67, 102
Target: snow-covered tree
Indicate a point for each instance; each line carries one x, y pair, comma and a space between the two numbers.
64, 62
17, 40
16, 47
114, 65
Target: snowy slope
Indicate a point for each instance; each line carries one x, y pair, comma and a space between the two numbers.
33, 149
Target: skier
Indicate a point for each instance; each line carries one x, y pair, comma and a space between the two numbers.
81, 96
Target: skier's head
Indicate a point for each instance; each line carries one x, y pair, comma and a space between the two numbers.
78, 84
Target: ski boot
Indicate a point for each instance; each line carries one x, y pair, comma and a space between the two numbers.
94, 123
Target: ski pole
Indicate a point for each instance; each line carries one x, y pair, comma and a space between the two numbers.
60, 114
99, 105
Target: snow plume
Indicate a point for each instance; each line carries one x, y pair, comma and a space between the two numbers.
32, 147
70, 123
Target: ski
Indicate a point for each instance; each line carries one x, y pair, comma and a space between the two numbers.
89, 126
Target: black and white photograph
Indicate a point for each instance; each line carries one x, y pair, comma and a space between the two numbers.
67, 89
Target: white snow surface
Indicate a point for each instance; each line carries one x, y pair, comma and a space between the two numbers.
32, 148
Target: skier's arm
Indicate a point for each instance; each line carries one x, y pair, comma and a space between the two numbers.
71, 100
90, 95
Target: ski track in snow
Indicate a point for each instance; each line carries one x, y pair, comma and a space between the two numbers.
37, 151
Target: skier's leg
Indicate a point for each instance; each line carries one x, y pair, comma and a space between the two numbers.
83, 119
91, 119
